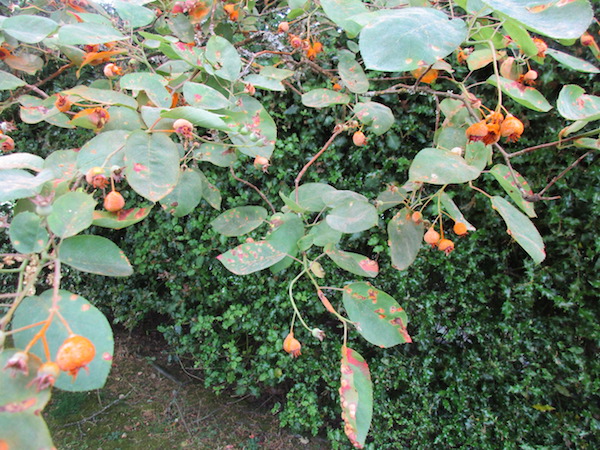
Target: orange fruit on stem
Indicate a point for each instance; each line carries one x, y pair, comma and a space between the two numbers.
292, 346
75, 353
114, 201
432, 237
446, 246
359, 138
460, 228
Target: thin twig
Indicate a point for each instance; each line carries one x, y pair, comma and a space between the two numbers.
552, 144
97, 413
539, 195
247, 183
336, 131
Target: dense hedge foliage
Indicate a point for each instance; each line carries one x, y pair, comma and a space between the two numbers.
504, 353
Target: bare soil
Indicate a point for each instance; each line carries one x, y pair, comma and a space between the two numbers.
151, 402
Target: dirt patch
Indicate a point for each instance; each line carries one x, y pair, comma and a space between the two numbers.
150, 402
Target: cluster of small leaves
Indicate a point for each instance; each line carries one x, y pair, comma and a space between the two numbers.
178, 94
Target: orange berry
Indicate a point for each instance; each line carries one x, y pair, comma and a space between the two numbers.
75, 353
359, 138
459, 228
6, 143
112, 70
283, 27
291, 345
511, 128
114, 201
337, 87
541, 47
232, 12
432, 237
417, 217
428, 78
62, 103
477, 131
587, 39
183, 127
446, 246
262, 162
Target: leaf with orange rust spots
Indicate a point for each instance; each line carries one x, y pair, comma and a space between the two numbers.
353, 262
251, 257
356, 396
377, 316
121, 219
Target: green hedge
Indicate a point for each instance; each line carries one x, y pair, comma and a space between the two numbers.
497, 341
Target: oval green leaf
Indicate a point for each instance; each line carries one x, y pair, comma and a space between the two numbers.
320, 98
71, 213
251, 257
27, 234
356, 396
404, 39
223, 58
521, 229
94, 254
352, 74
574, 104
378, 117
353, 262
203, 96
121, 219
88, 34
239, 221
502, 174
352, 216
377, 316
151, 164
104, 150
436, 166
524, 95
405, 238
28, 28
578, 64
186, 196
84, 319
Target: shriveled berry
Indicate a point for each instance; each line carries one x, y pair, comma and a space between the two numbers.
291, 345
283, 27
432, 237
114, 201
446, 246
183, 127
261, 162
46, 376
511, 128
75, 353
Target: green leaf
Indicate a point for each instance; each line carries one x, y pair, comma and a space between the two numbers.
478, 155
186, 196
71, 213
377, 316
356, 396
35, 110
556, 19
94, 254
289, 229
521, 37
105, 96
352, 74
391, 197
203, 96
16, 183
322, 234
249, 113
578, 64
88, 34
220, 155
480, 58
197, 116
262, 82
28, 28
25, 62
210, 192
521, 229
310, 196
104, 150
353, 262
134, 15
320, 98
27, 234
151, 83
239, 221
151, 164
502, 174
8, 81
122, 118
22, 425
352, 215
21, 161
447, 138
405, 238
436, 166
574, 104
453, 211
341, 12
251, 257
63, 164
121, 219
84, 319
223, 57
587, 143
524, 95
379, 117
404, 39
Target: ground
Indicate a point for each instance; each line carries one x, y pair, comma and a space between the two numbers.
149, 403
